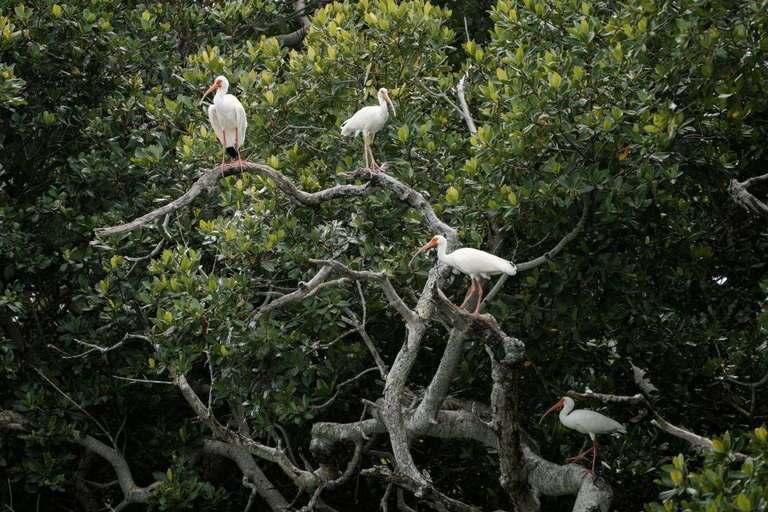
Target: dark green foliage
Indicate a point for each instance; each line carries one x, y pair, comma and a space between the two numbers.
650, 108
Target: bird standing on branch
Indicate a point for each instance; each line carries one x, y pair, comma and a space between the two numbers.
228, 119
470, 261
369, 121
586, 422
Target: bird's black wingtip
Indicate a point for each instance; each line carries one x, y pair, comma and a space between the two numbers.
231, 151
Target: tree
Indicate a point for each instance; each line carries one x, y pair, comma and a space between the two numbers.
165, 322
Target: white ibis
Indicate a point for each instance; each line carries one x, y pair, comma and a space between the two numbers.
586, 422
470, 261
228, 119
368, 121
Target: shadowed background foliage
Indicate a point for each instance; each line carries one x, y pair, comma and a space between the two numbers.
651, 108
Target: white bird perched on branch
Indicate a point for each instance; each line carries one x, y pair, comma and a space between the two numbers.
470, 261
369, 121
228, 120
586, 422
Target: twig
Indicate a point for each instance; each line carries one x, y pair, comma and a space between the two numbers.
79, 407
144, 381
338, 388
166, 237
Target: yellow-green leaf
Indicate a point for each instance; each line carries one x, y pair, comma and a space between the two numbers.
223, 350
452, 196
151, 362
402, 133
56, 9
718, 445
742, 502
270, 97
145, 15
512, 198
501, 74
555, 79
761, 433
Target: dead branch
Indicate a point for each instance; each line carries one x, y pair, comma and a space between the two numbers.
424, 491
741, 195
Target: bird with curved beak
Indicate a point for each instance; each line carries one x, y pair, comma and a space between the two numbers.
586, 422
369, 121
470, 261
228, 120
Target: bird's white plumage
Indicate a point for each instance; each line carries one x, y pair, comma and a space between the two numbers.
227, 116
586, 421
473, 262
368, 120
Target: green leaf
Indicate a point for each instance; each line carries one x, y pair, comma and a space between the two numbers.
555, 80
452, 196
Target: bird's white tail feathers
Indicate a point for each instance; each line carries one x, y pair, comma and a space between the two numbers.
511, 268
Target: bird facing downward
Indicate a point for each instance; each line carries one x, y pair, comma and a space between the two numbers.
586, 422
470, 261
228, 120
369, 121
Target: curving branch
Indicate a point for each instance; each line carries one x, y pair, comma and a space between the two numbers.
132, 493
210, 180
294, 39
547, 256
252, 474
741, 195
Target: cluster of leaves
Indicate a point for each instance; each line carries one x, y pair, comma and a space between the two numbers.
721, 484
650, 108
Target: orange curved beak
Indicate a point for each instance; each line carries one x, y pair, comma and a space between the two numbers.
427, 246
215, 86
386, 97
556, 406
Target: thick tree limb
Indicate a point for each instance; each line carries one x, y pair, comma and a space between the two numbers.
294, 39
741, 195
251, 472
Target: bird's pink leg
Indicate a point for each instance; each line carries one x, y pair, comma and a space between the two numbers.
594, 456
471, 291
479, 297
583, 455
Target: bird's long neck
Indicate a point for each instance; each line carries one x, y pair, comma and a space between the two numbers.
567, 408
383, 107
442, 255
221, 92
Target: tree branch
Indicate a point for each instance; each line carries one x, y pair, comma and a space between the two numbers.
251, 471
425, 491
548, 256
294, 39
741, 195
210, 180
